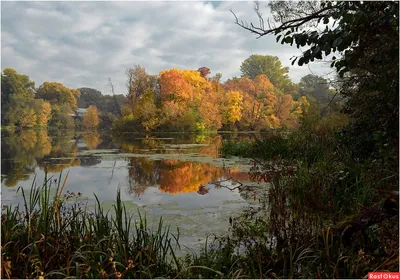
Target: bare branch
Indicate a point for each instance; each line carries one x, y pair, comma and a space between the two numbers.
218, 183
289, 24
111, 85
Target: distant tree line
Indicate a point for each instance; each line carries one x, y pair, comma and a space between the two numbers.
53, 104
183, 100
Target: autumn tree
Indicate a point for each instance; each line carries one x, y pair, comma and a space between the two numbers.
283, 109
190, 97
57, 94
43, 112
246, 88
265, 92
175, 94
146, 113
204, 71
233, 109
91, 117
174, 86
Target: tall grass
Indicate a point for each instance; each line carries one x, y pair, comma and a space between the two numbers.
300, 145
314, 184
52, 238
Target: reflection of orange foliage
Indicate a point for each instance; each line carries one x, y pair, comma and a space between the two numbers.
186, 177
45, 142
237, 175
92, 140
213, 148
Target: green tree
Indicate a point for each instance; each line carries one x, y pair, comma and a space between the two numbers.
315, 87
57, 94
16, 92
90, 96
104, 103
270, 66
61, 117
63, 102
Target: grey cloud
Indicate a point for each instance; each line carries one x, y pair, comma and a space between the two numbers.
84, 43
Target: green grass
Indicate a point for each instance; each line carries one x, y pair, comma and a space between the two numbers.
296, 145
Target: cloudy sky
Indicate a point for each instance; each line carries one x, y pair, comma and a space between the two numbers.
81, 44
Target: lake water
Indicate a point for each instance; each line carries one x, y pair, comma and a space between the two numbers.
170, 175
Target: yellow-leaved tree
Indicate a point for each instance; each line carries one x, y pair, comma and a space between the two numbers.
91, 117
233, 109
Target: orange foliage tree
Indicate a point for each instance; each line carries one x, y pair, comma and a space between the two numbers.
188, 100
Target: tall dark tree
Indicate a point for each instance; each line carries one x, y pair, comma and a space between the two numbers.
366, 37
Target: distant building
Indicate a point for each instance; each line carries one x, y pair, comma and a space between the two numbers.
79, 113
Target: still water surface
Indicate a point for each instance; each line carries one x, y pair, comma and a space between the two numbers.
164, 175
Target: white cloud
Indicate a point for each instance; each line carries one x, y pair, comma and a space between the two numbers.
83, 43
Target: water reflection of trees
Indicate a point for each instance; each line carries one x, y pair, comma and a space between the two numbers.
174, 176
23, 151
143, 173
63, 153
213, 147
177, 176
20, 152
136, 144
211, 144
91, 139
